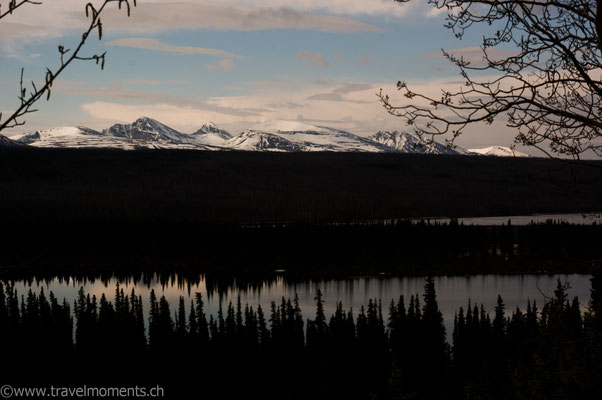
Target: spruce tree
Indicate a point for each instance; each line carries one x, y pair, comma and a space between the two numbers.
264, 334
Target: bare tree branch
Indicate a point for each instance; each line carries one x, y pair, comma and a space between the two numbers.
13, 5
549, 88
28, 98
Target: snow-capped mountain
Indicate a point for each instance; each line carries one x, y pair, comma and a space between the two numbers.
81, 137
6, 142
282, 136
408, 143
297, 136
499, 151
148, 129
210, 134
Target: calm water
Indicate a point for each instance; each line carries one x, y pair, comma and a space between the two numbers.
452, 292
585, 219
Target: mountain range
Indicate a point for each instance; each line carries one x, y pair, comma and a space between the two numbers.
281, 136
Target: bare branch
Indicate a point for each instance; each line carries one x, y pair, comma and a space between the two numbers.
13, 5
549, 88
67, 56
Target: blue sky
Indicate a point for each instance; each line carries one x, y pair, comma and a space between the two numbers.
235, 63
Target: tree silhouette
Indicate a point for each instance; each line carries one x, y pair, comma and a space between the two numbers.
550, 355
203, 327
541, 58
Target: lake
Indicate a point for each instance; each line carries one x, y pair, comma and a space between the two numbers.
453, 292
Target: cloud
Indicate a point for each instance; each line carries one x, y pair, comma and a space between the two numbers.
116, 91
152, 44
163, 16
291, 103
185, 119
435, 12
224, 65
342, 7
284, 104
339, 93
363, 114
57, 18
314, 59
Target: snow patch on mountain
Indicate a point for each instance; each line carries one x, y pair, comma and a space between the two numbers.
408, 143
298, 136
499, 151
210, 134
251, 140
147, 129
81, 137
277, 135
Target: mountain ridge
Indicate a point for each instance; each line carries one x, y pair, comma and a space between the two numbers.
275, 135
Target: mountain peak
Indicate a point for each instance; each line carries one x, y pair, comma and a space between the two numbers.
146, 119
209, 125
274, 135
6, 142
210, 134
145, 128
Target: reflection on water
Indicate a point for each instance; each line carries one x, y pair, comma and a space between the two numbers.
585, 218
452, 292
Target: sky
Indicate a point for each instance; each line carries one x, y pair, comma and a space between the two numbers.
235, 63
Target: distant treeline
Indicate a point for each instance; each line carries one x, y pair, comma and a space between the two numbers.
303, 249
395, 351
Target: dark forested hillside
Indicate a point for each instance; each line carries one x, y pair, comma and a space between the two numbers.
247, 187
237, 211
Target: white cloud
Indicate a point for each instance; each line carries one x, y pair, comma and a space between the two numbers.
163, 16
236, 113
56, 18
359, 113
337, 102
116, 91
343, 7
435, 12
185, 119
152, 44
338, 94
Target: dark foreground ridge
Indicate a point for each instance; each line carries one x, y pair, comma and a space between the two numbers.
247, 187
538, 353
257, 212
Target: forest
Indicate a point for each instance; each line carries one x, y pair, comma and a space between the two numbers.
385, 351
314, 214
303, 249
